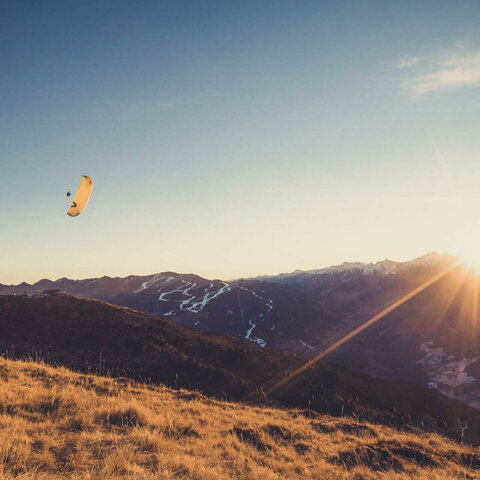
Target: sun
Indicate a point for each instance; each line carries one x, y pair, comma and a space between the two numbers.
465, 244
470, 255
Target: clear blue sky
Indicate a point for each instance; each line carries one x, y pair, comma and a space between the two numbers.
235, 138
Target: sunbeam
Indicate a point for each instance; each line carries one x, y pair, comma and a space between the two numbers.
450, 293
475, 306
361, 328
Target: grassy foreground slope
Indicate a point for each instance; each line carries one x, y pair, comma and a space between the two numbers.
78, 333
57, 424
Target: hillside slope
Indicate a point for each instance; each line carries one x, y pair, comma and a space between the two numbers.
263, 313
56, 424
89, 335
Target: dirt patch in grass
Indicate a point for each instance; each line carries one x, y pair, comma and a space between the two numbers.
371, 456
282, 434
250, 436
301, 448
387, 455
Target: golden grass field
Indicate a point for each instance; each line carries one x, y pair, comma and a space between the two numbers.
56, 424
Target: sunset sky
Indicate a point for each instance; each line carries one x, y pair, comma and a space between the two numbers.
233, 139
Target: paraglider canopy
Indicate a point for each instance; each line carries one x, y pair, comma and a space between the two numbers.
82, 196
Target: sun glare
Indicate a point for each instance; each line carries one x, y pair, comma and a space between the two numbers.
465, 243
471, 257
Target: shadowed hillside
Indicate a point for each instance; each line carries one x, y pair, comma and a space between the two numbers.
56, 424
91, 336
264, 313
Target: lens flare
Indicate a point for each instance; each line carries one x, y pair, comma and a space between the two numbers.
271, 387
471, 258
467, 247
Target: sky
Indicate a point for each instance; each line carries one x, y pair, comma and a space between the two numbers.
232, 139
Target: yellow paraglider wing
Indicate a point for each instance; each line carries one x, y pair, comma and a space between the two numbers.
81, 198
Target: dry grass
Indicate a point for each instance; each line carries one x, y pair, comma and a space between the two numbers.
55, 424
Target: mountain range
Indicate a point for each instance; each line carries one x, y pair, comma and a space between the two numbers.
432, 340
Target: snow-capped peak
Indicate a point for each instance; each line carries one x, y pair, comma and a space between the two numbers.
387, 267
382, 267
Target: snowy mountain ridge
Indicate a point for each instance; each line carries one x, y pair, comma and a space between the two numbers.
383, 267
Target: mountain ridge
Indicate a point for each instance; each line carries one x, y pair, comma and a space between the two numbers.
432, 257
382, 266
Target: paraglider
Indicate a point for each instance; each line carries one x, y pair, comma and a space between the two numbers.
69, 193
81, 197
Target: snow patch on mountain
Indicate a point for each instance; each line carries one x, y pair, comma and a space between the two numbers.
306, 345
209, 295
194, 302
446, 373
253, 338
153, 281
187, 293
162, 296
269, 307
